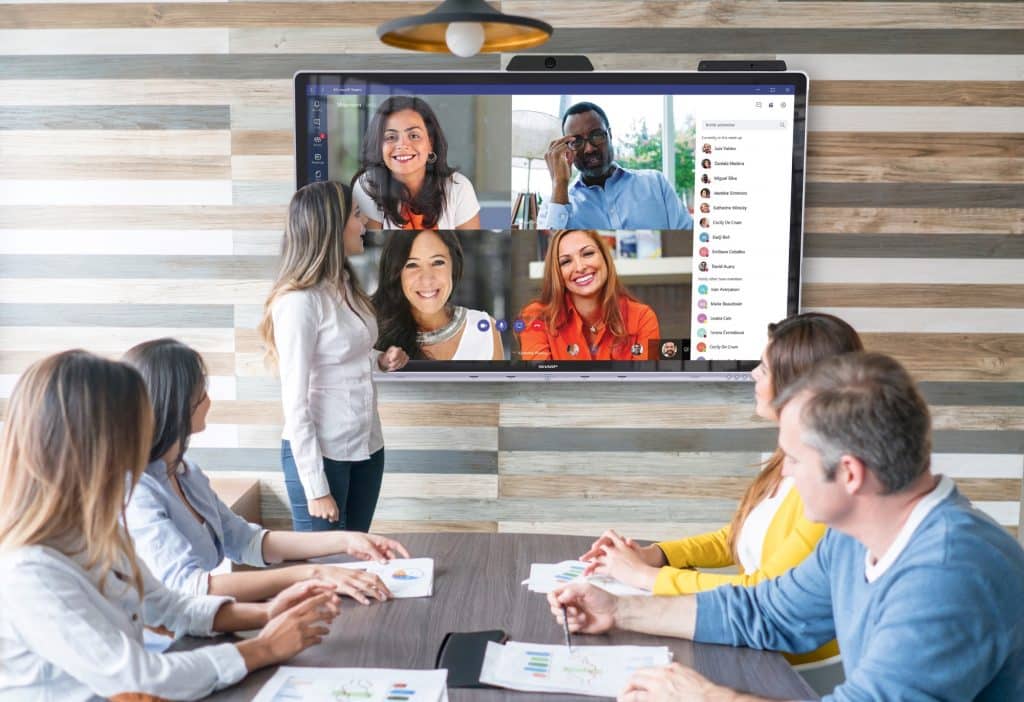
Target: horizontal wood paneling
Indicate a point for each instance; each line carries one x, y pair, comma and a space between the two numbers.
922, 145
174, 126
751, 13
944, 93
921, 295
914, 169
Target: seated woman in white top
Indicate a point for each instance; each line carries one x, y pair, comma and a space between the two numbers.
419, 272
73, 598
405, 181
182, 530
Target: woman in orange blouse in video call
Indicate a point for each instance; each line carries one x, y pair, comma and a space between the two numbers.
584, 312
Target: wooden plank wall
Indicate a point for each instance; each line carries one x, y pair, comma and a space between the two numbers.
146, 159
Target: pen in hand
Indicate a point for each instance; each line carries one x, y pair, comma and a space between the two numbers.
565, 625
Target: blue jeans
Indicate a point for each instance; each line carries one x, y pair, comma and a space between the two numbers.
355, 486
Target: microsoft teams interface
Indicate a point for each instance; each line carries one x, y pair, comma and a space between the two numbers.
601, 224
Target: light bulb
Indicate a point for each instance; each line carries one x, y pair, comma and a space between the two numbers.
464, 38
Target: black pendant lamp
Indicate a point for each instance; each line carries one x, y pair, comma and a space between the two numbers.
465, 28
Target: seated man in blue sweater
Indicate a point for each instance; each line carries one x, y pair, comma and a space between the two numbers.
924, 593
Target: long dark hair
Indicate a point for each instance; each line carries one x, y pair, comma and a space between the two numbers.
389, 193
175, 377
794, 345
394, 314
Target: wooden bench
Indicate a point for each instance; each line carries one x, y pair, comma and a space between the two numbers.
242, 495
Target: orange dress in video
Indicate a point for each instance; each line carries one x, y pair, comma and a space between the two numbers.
570, 343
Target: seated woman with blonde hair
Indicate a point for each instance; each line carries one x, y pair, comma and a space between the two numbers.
73, 597
584, 312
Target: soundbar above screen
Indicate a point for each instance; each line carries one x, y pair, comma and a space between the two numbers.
534, 226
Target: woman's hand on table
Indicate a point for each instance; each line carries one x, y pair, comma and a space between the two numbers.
371, 547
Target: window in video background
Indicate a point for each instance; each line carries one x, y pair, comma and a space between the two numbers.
476, 128
636, 123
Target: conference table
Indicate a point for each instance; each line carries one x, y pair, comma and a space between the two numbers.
477, 586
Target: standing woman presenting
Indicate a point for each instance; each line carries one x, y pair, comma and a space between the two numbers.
319, 326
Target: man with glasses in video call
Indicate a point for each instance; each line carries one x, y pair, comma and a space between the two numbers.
605, 195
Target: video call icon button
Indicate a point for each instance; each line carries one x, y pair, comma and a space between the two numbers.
483, 325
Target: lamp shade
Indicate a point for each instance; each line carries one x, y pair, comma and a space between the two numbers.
427, 32
533, 132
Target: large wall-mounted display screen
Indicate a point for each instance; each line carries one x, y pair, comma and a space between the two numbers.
584, 225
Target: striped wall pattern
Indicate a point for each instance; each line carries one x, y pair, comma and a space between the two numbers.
146, 160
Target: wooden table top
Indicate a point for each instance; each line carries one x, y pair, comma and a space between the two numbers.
477, 586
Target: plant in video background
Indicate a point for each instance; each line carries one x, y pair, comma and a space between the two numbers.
641, 148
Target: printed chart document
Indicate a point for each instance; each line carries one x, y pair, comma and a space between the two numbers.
293, 684
600, 671
405, 577
545, 577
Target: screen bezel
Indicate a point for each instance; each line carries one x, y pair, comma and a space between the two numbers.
733, 370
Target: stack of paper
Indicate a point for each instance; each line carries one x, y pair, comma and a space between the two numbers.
405, 577
545, 577
291, 684
600, 671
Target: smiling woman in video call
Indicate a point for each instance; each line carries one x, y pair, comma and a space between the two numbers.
405, 181
584, 312
419, 272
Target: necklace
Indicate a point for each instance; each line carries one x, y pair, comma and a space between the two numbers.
449, 330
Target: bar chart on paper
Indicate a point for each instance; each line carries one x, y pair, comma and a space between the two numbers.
293, 684
586, 670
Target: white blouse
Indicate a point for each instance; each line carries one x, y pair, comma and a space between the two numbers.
60, 639
326, 360
476, 345
460, 204
750, 546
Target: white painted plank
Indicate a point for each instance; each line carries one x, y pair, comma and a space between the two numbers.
1006, 271
219, 387
141, 291
217, 436
848, 118
116, 192
302, 40
1005, 513
920, 320
257, 242
978, 465
57, 42
906, 66
117, 142
110, 339
152, 91
99, 242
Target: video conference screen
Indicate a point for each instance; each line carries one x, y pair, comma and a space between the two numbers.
590, 224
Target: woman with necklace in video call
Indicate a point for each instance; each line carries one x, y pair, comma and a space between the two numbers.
419, 274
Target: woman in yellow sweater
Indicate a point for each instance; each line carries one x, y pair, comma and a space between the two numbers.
769, 533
